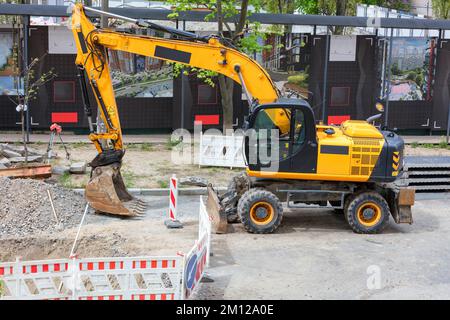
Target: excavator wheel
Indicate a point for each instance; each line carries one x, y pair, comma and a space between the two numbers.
260, 211
367, 212
106, 193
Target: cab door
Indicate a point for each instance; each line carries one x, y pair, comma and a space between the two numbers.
282, 138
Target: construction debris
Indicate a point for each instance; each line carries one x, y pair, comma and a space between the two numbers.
78, 167
10, 154
25, 208
194, 181
5, 162
60, 169
29, 159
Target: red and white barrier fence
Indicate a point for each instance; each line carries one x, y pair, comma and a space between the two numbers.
197, 259
135, 278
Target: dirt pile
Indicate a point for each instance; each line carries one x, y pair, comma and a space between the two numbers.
25, 208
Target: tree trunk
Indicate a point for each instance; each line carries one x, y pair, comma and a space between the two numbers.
103, 18
219, 18
226, 91
341, 10
226, 85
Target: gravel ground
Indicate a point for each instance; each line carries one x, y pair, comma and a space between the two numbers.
25, 208
111, 236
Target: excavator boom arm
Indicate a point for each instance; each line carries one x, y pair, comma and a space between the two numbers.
92, 45
106, 191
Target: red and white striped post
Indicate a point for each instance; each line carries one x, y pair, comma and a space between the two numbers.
172, 222
173, 197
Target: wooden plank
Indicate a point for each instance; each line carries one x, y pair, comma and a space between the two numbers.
40, 171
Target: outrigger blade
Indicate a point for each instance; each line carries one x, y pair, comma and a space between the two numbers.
106, 193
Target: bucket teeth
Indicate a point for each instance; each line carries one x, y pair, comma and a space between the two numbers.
136, 207
107, 193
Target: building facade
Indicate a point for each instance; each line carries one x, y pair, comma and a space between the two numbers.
150, 98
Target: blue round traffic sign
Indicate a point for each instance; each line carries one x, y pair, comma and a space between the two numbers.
191, 270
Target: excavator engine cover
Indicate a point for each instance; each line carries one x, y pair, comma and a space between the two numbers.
106, 191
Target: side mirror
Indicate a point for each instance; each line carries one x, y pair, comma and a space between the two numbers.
379, 106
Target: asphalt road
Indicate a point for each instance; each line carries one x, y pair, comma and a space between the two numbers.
315, 255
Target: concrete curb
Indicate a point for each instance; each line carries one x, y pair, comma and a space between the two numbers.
198, 191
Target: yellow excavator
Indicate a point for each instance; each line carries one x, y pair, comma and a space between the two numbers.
352, 168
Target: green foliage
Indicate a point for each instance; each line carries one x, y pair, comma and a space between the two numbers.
33, 83
2, 287
163, 184
146, 147
441, 145
335, 7
202, 74
129, 178
230, 8
172, 143
299, 79
441, 8
396, 70
66, 180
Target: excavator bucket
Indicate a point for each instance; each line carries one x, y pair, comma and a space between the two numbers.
106, 193
216, 212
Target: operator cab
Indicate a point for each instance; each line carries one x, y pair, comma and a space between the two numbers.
281, 137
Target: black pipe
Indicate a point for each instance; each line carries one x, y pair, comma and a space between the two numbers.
325, 77
102, 104
26, 28
389, 87
85, 97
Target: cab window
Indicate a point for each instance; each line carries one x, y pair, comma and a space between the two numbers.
299, 130
273, 129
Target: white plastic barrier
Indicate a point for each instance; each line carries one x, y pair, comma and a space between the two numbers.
198, 258
135, 278
221, 151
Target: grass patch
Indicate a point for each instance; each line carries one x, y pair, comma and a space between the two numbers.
172, 143
2, 288
129, 178
214, 170
76, 145
73, 181
66, 180
132, 146
163, 184
441, 145
146, 146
